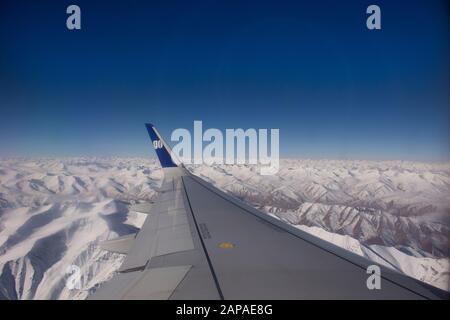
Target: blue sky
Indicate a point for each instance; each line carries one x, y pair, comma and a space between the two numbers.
309, 68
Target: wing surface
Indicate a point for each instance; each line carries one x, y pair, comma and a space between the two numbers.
198, 242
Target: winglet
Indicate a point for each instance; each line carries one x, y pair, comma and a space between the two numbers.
162, 149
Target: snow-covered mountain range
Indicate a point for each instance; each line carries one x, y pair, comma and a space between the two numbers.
54, 212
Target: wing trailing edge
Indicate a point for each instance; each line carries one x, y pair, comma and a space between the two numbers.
120, 245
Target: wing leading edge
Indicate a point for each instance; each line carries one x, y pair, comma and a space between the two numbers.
198, 242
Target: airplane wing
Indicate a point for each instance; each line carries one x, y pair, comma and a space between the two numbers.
198, 242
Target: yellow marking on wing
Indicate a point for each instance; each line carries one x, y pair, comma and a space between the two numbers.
226, 245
